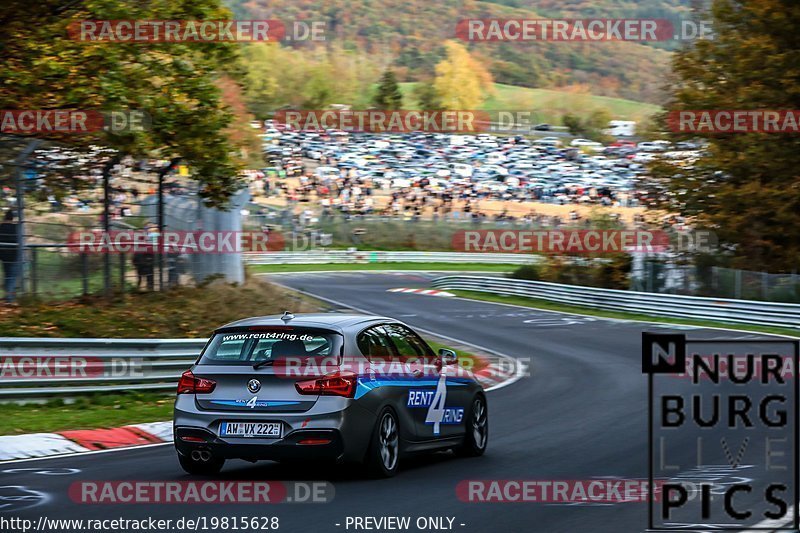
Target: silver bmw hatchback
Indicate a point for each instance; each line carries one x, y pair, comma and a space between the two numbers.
342, 387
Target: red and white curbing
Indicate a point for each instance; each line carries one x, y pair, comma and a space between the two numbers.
83, 440
497, 374
427, 292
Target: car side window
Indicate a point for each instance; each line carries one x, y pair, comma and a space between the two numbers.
374, 343
408, 344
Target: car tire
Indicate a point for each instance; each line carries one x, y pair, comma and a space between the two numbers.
383, 456
477, 436
201, 468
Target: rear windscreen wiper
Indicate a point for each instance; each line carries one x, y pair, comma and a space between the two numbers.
265, 362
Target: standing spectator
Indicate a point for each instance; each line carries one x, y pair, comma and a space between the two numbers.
8, 254
144, 262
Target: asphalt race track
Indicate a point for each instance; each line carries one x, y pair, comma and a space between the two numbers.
580, 415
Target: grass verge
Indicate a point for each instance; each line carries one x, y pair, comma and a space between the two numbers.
547, 305
86, 412
457, 267
180, 312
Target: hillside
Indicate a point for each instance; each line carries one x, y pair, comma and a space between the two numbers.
409, 35
550, 105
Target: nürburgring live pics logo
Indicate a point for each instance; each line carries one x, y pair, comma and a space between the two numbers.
722, 432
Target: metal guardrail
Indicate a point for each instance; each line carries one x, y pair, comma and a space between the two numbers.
316, 257
671, 305
111, 365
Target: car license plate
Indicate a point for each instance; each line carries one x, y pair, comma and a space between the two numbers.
251, 429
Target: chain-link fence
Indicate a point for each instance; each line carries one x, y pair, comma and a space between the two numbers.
680, 275
59, 272
384, 232
50, 192
749, 285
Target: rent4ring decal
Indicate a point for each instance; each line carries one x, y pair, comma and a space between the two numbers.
434, 400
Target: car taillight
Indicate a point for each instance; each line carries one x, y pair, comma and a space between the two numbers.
334, 384
191, 384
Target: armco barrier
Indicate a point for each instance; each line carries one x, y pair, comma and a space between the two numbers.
138, 364
157, 365
316, 257
646, 303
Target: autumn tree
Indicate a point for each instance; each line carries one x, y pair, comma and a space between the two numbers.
746, 187
175, 84
278, 77
461, 82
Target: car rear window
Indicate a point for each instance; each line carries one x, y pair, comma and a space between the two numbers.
253, 345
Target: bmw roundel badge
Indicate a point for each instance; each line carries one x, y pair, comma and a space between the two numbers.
254, 385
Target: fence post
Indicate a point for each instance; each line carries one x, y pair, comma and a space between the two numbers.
122, 275
85, 272
107, 225
34, 284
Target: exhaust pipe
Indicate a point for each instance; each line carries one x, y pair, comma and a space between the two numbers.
205, 456
196, 455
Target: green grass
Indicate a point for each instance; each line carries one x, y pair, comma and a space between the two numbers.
551, 104
547, 305
95, 411
459, 267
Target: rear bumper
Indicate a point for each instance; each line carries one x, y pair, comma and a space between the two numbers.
348, 431
322, 444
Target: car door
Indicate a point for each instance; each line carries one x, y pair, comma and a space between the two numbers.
383, 381
435, 400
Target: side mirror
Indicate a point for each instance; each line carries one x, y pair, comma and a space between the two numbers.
448, 357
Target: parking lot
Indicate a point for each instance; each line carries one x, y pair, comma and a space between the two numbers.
422, 174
